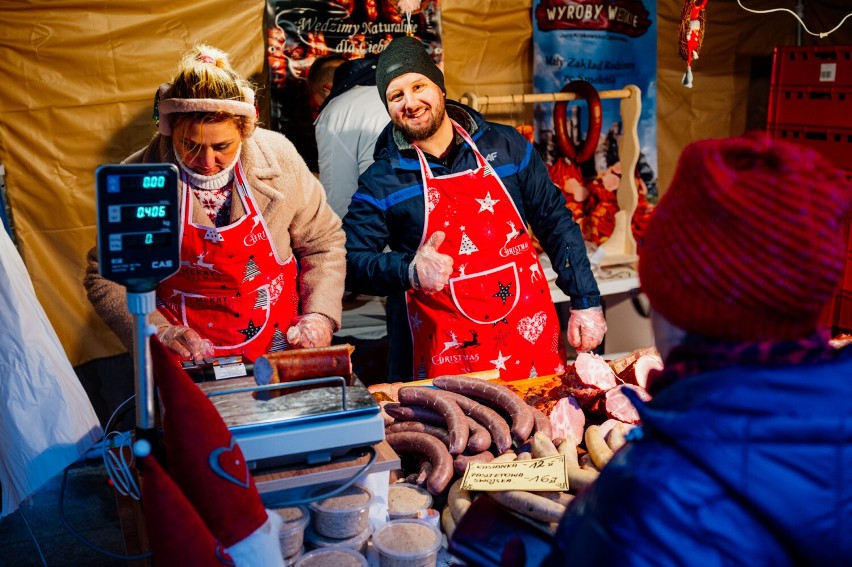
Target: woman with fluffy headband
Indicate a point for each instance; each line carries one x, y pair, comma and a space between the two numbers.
262, 254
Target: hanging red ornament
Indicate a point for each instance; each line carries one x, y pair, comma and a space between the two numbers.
691, 35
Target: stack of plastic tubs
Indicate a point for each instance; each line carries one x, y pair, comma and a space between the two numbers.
810, 103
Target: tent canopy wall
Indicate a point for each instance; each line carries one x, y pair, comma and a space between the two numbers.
79, 84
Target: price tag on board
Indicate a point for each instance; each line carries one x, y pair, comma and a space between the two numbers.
547, 473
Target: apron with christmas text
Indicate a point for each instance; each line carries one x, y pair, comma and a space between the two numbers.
496, 312
231, 287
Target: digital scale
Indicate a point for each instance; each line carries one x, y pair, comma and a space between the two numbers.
308, 421
276, 425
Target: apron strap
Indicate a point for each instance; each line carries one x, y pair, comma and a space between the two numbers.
424, 165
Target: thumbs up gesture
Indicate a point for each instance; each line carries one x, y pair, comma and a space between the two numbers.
430, 270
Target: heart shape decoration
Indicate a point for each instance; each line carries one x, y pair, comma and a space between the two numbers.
531, 327
229, 463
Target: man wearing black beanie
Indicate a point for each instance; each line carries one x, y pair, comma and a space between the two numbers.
445, 178
406, 55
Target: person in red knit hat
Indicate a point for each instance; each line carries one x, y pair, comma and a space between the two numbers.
744, 455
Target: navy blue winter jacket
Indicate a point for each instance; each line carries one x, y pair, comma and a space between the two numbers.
742, 466
388, 208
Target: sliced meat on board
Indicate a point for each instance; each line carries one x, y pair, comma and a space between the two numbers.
592, 371
567, 420
620, 364
615, 405
638, 371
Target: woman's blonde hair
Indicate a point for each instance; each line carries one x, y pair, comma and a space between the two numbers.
205, 72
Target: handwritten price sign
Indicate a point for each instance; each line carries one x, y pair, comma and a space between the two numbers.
547, 473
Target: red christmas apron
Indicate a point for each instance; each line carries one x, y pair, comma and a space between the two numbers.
496, 312
231, 287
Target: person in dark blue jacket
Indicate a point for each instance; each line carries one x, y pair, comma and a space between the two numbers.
451, 196
744, 455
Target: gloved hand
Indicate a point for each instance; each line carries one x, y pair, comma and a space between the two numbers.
186, 342
430, 270
586, 328
310, 330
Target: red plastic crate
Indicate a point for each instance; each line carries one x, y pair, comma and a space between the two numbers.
833, 143
829, 65
825, 106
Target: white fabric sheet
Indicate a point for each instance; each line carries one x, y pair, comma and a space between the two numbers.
46, 419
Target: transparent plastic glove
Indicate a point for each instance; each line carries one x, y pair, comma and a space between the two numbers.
310, 330
586, 328
186, 342
430, 270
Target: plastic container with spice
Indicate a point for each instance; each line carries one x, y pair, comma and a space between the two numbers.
314, 540
342, 515
332, 557
406, 500
407, 543
291, 535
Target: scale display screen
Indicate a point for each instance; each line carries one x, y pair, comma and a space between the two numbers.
138, 241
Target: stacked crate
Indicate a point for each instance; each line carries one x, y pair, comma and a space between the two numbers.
810, 103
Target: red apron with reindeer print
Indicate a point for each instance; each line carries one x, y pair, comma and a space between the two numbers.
496, 312
231, 287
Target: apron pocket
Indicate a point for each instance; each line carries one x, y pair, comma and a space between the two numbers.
486, 297
228, 321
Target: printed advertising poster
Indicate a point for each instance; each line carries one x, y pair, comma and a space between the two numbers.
600, 45
319, 34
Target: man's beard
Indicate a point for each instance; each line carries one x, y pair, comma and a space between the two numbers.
427, 130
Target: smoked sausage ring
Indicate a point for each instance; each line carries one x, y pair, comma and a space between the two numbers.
457, 426
520, 413
433, 450
586, 148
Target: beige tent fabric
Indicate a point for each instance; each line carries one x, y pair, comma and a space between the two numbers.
78, 86
488, 51
78, 81
732, 75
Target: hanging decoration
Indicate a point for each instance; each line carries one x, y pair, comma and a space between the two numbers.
409, 7
691, 35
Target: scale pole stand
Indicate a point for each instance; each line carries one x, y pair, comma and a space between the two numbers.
140, 305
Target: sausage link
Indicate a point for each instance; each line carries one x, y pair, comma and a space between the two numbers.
423, 474
529, 504
458, 500
490, 419
433, 450
405, 412
479, 438
420, 477
542, 446
598, 450
542, 422
430, 398
460, 461
415, 426
518, 410
304, 363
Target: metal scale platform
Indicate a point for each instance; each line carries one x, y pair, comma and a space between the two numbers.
282, 424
